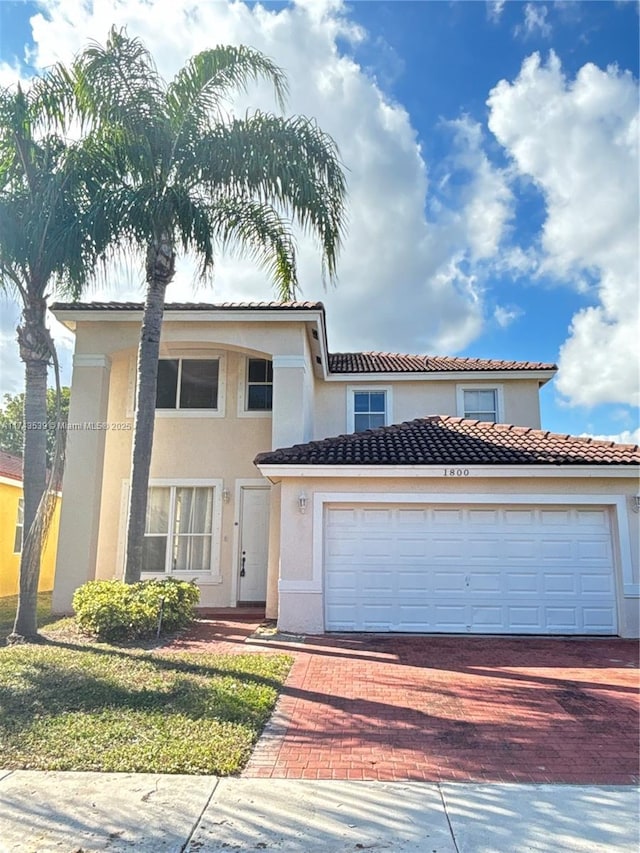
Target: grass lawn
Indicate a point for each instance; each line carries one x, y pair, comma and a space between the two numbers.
69, 704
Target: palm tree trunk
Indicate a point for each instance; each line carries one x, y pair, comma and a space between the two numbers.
160, 270
34, 341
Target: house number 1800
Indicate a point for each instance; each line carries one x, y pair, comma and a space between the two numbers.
456, 472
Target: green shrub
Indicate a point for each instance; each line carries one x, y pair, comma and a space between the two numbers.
114, 611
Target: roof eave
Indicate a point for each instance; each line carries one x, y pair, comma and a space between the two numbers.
279, 471
542, 376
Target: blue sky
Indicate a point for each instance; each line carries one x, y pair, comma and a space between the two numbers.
492, 156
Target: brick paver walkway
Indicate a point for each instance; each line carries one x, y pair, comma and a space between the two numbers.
398, 707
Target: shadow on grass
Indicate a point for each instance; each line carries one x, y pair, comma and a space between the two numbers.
60, 678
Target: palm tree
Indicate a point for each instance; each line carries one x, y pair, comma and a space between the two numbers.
176, 170
44, 243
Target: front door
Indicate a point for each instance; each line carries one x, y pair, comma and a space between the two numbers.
254, 543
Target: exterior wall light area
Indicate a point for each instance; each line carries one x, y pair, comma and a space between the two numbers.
302, 503
635, 503
226, 495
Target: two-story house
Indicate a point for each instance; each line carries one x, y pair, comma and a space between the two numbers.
347, 491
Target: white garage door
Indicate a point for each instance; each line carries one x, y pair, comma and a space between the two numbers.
490, 569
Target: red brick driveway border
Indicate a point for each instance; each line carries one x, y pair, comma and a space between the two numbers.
447, 709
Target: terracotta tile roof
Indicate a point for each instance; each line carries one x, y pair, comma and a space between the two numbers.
10, 466
392, 362
339, 362
443, 440
189, 306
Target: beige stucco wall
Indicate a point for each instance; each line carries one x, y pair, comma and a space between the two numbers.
186, 447
301, 604
416, 399
82, 481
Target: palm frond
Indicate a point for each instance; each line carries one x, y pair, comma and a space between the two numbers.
212, 76
53, 98
256, 230
119, 83
289, 162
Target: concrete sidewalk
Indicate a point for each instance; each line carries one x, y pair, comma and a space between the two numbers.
146, 813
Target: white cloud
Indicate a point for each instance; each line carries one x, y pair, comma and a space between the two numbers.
495, 9
535, 21
406, 278
577, 140
625, 437
486, 202
505, 316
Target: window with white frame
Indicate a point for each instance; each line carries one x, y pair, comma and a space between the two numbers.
17, 539
368, 408
179, 529
480, 404
188, 383
259, 397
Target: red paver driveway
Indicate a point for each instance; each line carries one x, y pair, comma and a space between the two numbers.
499, 709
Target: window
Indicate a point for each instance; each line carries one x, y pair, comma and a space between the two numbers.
259, 385
187, 383
368, 409
179, 529
481, 404
17, 540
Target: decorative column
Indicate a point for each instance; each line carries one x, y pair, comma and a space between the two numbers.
82, 482
292, 401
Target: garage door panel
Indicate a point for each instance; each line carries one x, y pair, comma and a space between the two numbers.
595, 520
377, 582
485, 583
486, 618
418, 581
522, 583
347, 548
562, 619
596, 584
521, 517
408, 518
445, 517
559, 583
412, 547
447, 548
520, 548
558, 550
377, 517
598, 620
450, 617
555, 517
524, 619
594, 551
482, 517
338, 516
342, 582
468, 569
448, 581
378, 546
481, 549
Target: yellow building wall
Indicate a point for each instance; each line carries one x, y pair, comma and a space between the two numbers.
9, 561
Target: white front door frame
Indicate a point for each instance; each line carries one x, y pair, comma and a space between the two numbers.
240, 485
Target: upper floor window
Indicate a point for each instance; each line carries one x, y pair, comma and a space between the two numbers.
17, 539
368, 408
481, 404
187, 383
179, 529
259, 385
